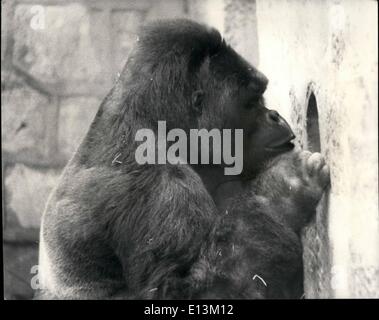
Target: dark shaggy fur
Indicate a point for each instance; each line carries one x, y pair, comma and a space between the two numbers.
116, 229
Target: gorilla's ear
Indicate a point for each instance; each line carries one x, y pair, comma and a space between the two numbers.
197, 102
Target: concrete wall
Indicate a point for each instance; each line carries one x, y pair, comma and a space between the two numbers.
330, 48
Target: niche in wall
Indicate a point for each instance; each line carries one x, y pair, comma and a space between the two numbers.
312, 126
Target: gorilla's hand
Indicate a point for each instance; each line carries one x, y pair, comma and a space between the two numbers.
297, 172
315, 174
304, 174
292, 185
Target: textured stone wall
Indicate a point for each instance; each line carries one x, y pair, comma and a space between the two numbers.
59, 59
330, 48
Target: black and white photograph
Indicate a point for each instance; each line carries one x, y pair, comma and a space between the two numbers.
192, 150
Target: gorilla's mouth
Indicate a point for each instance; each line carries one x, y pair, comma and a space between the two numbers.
282, 146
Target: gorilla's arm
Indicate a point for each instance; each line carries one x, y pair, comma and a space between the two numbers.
256, 250
156, 255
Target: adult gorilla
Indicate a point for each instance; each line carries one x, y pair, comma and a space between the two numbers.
116, 229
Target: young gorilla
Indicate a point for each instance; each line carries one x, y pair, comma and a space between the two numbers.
116, 229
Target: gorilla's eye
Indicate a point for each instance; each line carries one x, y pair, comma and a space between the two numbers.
197, 100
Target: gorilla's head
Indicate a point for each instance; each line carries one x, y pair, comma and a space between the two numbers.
184, 73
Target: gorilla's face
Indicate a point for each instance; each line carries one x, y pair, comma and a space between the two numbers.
241, 103
266, 133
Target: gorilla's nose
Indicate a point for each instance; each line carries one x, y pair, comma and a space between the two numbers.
280, 124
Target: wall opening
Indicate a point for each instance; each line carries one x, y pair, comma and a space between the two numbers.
313, 130
316, 254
